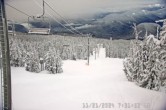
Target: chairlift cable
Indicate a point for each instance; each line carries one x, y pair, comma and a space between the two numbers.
55, 19
43, 15
17, 10
62, 18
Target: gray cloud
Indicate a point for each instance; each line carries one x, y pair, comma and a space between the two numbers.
163, 1
72, 8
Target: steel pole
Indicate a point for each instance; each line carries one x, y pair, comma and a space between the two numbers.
88, 50
6, 75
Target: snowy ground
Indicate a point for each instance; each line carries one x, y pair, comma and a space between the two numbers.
100, 86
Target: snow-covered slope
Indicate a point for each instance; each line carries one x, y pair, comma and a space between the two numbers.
103, 81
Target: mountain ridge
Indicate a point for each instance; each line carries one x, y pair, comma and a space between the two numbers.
117, 25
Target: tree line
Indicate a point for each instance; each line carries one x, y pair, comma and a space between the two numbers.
39, 52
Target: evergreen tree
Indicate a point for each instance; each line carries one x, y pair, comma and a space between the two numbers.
16, 54
146, 64
32, 62
53, 62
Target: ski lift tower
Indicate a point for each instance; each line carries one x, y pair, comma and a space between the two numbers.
6, 94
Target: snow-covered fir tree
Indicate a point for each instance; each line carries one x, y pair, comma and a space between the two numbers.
17, 53
32, 62
146, 63
53, 62
163, 30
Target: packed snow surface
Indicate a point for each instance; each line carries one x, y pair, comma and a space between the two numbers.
82, 87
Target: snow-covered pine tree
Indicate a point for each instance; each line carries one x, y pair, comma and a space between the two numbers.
17, 54
79, 52
32, 62
132, 63
163, 30
146, 64
59, 64
149, 75
65, 51
53, 62
129, 63
162, 57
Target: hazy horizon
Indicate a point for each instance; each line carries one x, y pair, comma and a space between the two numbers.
72, 8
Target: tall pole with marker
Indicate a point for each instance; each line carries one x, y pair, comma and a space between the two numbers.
88, 35
88, 50
110, 43
5, 70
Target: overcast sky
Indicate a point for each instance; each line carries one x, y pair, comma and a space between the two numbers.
73, 8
